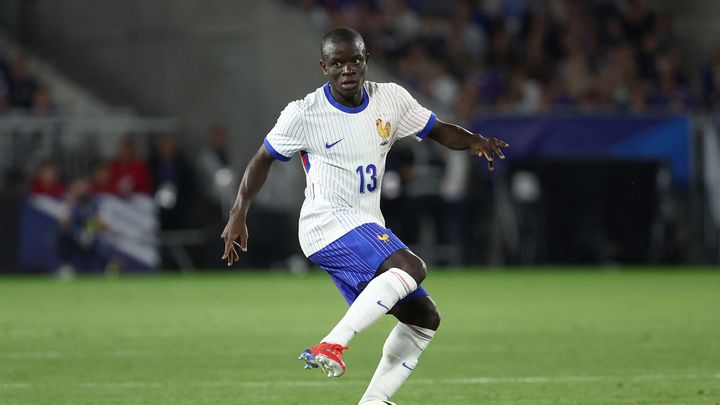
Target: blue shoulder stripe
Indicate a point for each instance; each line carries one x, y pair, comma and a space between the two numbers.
277, 155
426, 130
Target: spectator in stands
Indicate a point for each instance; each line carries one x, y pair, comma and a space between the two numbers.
80, 240
12, 199
173, 183
465, 31
22, 85
439, 84
638, 99
638, 20
523, 94
424, 190
218, 185
572, 53
47, 180
711, 80
128, 173
613, 33
666, 38
100, 181
464, 107
215, 174
42, 104
670, 95
4, 85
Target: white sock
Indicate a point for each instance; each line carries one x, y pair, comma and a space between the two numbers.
381, 294
400, 356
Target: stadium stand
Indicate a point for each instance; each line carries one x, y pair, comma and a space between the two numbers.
523, 57
476, 62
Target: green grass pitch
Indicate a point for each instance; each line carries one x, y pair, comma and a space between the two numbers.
571, 336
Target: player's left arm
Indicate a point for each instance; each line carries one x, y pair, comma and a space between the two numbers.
458, 138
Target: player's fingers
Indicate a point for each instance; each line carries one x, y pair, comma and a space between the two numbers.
503, 143
489, 155
499, 153
229, 258
491, 165
228, 248
234, 257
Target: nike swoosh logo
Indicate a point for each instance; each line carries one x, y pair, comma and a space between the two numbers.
381, 304
330, 145
406, 366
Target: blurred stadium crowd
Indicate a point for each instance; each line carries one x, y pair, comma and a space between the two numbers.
474, 57
529, 56
189, 193
21, 90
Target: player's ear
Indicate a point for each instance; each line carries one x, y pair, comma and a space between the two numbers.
367, 57
323, 67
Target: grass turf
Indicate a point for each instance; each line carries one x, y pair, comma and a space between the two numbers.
577, 336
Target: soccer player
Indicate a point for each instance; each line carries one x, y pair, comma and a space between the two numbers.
343, 132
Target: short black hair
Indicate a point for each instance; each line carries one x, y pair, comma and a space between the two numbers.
341, 34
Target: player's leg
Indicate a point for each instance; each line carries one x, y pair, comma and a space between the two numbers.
406, 260
418, 321
421, 312
361, 263
375, 300
397, 277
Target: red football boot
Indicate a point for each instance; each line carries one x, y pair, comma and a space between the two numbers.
327, 356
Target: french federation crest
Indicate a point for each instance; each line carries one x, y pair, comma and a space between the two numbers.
383, 131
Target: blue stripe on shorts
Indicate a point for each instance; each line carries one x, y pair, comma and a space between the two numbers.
353, 259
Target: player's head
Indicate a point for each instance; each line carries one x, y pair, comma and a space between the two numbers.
343, 59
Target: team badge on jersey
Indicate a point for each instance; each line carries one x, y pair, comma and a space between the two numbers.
383, 131
384, 237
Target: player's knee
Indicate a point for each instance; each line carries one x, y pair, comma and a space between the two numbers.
432, 319
408, 262
428, 317
416, 268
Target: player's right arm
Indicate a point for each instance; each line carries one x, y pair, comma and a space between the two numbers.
255, 175
284, 139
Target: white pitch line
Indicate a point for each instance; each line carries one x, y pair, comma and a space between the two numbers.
326, 384
570, 379
122, 385
28, 355
470, 381
11, 386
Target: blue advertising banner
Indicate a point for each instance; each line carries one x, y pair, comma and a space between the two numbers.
106, 232
637, 137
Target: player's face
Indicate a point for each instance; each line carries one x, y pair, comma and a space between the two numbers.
345, 64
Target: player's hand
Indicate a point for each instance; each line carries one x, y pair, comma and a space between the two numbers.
488, 147
234, 230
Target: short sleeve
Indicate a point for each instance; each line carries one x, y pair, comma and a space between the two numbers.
414, 119
287, 136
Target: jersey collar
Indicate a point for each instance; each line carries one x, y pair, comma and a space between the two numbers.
350, 110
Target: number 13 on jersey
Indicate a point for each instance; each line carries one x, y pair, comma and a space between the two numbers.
370, 170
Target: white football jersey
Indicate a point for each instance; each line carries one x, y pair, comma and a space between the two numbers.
343, 151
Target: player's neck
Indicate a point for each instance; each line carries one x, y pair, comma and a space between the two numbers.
352, 101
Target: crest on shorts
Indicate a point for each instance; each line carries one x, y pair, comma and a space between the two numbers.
384, 237
383, 131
